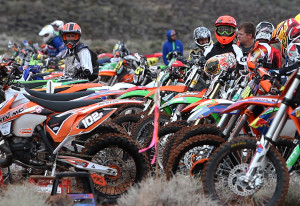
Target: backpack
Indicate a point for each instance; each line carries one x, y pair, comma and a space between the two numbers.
94, 58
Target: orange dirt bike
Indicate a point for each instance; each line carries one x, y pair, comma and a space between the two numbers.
42, 135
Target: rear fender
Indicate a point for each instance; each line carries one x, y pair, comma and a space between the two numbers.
81, 87
135, 93
102, 94
180, 100
174, 88
191, 94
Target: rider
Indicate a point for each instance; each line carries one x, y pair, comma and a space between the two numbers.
288, 33
78, 62
225, 32
298, 17
54, 45
263, 35
58, 26
172, 44
202, 40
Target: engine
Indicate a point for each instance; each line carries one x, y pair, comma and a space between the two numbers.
29, 150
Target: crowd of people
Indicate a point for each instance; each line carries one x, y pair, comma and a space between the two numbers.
63, 41
244, 39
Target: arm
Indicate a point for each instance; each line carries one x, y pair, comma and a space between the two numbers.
85, 60
59, 46
165, 52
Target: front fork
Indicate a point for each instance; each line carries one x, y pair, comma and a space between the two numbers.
258, 161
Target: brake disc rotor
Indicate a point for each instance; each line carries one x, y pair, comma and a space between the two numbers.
235, 184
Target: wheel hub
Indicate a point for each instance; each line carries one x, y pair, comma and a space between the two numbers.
235, 183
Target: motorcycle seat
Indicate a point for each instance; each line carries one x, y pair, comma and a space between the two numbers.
58, 97
61, 106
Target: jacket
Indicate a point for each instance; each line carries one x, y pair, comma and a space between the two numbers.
170, 46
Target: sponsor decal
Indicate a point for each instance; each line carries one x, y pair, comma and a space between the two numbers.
259, 148
55, 128
12, 113
108, 102
25, 130
91, 119
53, 125
38, 109
297, 112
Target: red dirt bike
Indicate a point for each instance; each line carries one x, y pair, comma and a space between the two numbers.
42, 135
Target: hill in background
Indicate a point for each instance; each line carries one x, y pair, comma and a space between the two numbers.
142, 25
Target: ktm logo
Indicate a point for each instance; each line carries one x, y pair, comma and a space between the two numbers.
91, 119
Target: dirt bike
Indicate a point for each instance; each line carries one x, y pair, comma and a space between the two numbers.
42, 136
259, 163
236, 118
124, 69
193, 80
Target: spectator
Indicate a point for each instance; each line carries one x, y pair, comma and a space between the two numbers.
246, 35
172, 44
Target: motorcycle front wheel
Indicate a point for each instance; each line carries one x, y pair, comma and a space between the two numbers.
222, 175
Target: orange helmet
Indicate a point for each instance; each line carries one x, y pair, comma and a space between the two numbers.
73, 28
285, 32
225, 31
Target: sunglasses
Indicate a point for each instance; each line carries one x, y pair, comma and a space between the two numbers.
225, 30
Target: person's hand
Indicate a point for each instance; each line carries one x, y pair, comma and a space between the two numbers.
274, 72
86, 73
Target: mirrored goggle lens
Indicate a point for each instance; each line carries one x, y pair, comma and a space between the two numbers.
225, 30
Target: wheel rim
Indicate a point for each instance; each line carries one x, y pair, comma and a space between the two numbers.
232, 190
119, 159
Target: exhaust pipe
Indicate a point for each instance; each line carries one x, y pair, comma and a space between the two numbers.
6, 156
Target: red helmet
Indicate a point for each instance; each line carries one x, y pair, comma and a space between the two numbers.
225, 31
73, 28
285, 32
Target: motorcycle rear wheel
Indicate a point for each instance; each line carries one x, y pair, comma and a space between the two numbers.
122, 153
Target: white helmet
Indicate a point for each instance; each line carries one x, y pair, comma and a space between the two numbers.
201, 33
59, 24
264, 31
47, 33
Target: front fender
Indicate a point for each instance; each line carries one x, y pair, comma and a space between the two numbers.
209, 107
267, 101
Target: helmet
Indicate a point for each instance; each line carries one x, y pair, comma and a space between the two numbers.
285, 32
73, 28
264, 30
225, 31
47, 33
59, 24
293, 50
298, 17
120, 50
217, 63
202, 33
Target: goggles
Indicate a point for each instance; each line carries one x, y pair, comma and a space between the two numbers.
225, 30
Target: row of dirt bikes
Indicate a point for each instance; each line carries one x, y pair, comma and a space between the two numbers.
237, 130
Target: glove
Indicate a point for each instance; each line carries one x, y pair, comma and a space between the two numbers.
274, 72
86, 73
